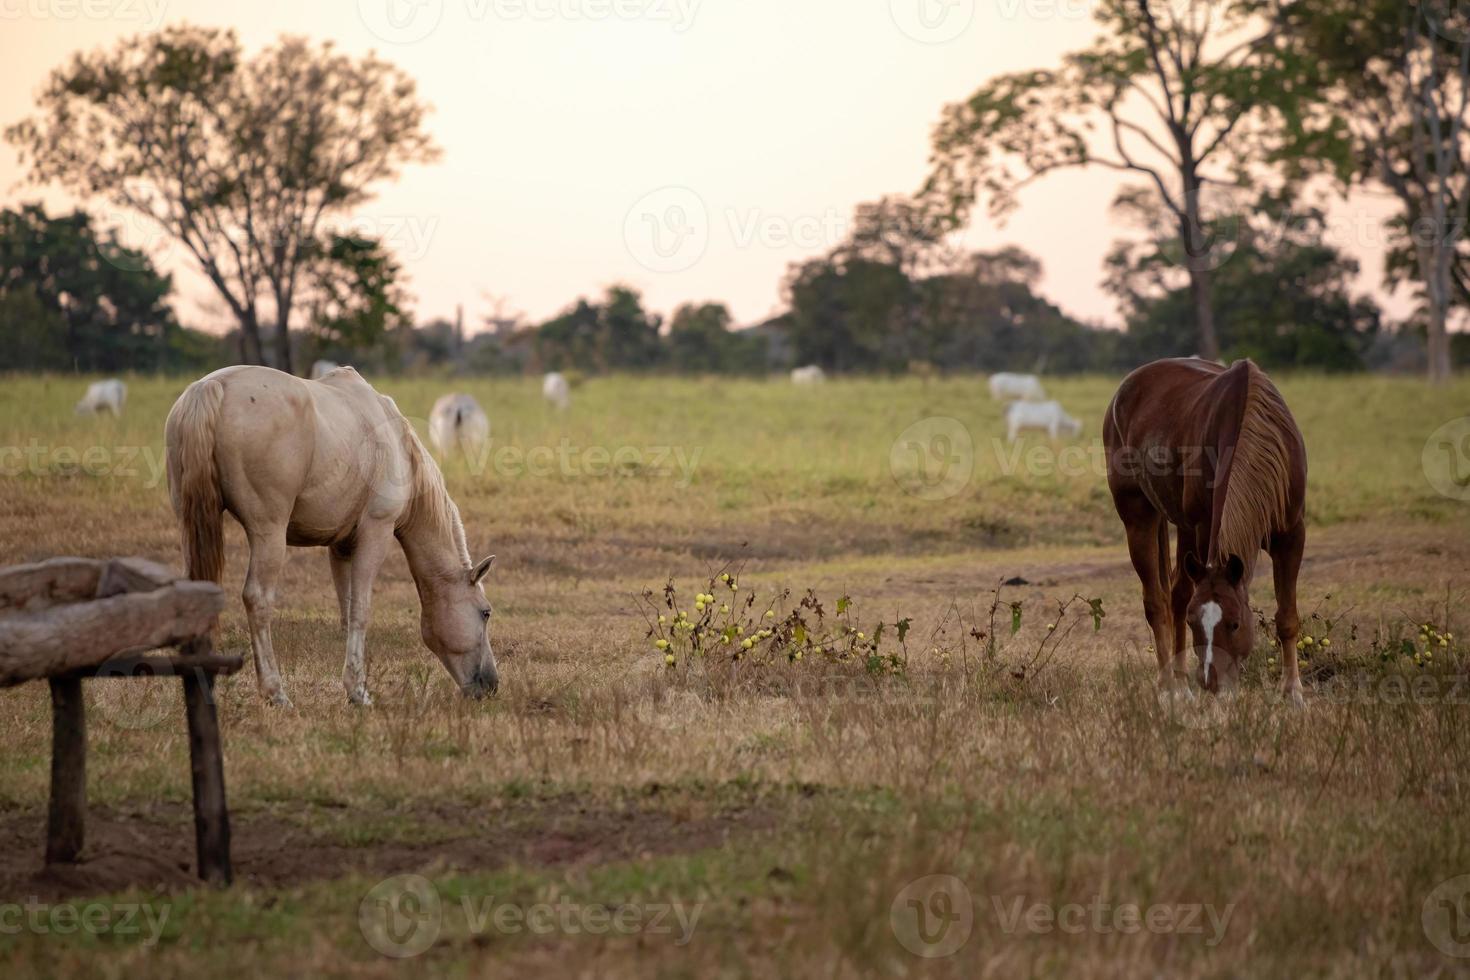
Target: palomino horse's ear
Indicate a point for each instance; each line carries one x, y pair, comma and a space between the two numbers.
1235, 569
481, 570
1192, 567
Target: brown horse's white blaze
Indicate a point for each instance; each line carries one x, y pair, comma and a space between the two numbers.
327, 463
1216, 453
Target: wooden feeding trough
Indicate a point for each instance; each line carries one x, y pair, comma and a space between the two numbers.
73, 618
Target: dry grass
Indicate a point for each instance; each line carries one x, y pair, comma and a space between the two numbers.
793, 803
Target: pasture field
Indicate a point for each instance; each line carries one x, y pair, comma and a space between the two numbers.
609, 815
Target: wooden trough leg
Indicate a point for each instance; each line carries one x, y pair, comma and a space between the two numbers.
66, 819
206, 762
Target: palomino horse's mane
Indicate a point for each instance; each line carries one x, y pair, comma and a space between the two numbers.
430, 505
1255, 476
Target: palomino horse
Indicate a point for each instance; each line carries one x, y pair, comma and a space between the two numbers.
1216, 453
327, 463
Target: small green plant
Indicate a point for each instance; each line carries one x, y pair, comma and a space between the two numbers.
732, 622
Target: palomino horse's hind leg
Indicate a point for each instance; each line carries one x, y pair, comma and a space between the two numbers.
367, 557
1286, 561
267, 555
1142, 522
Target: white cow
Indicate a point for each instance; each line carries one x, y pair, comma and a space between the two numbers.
323, 368
556, 390
108, 395
809, 375
458, 423
1049, 417
1016, 387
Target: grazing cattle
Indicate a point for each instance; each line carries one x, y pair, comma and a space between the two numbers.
556, 390
321, 369
1216, 453
1048, 417
103, 396
1016, 387
330, 464
458, 424
809, 375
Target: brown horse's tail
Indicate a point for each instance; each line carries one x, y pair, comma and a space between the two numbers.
193, 478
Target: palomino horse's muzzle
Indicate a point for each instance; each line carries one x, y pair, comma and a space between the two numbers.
485, 681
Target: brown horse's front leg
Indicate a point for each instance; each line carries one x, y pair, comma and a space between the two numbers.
1286, 561
1143, 527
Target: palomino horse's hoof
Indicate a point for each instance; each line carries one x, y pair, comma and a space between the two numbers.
1295, 699
360, 698
280, 701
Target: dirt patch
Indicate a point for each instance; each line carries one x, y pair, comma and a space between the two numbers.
153, 848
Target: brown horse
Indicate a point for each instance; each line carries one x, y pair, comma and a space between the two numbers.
1216, 453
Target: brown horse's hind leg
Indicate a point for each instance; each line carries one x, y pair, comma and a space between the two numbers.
267, 555
1286, 561
1143, 524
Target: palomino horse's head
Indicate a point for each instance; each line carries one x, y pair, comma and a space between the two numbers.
1219, 618
455, 625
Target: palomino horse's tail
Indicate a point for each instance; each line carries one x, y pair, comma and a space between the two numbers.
193, 478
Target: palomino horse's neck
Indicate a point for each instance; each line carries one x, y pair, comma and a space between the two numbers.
431, 533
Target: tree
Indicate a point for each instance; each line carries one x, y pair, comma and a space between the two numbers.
1184, 93
358, 304
1392, 80
1286, 293
73, 297
616, 334
700, 341
241, 160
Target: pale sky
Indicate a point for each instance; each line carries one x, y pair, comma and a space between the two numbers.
690, 148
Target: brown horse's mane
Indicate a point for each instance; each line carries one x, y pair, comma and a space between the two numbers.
1254, 483
430, 505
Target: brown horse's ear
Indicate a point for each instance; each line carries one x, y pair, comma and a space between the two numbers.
1235, 569
1192, 567
481, 570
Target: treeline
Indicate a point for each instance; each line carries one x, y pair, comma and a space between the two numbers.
893, 298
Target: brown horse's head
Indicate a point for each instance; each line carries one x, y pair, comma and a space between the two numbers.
1219, 618
455, 625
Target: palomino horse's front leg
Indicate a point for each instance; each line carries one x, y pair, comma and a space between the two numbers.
367, 557
267, 555
341, 581
1286, 561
